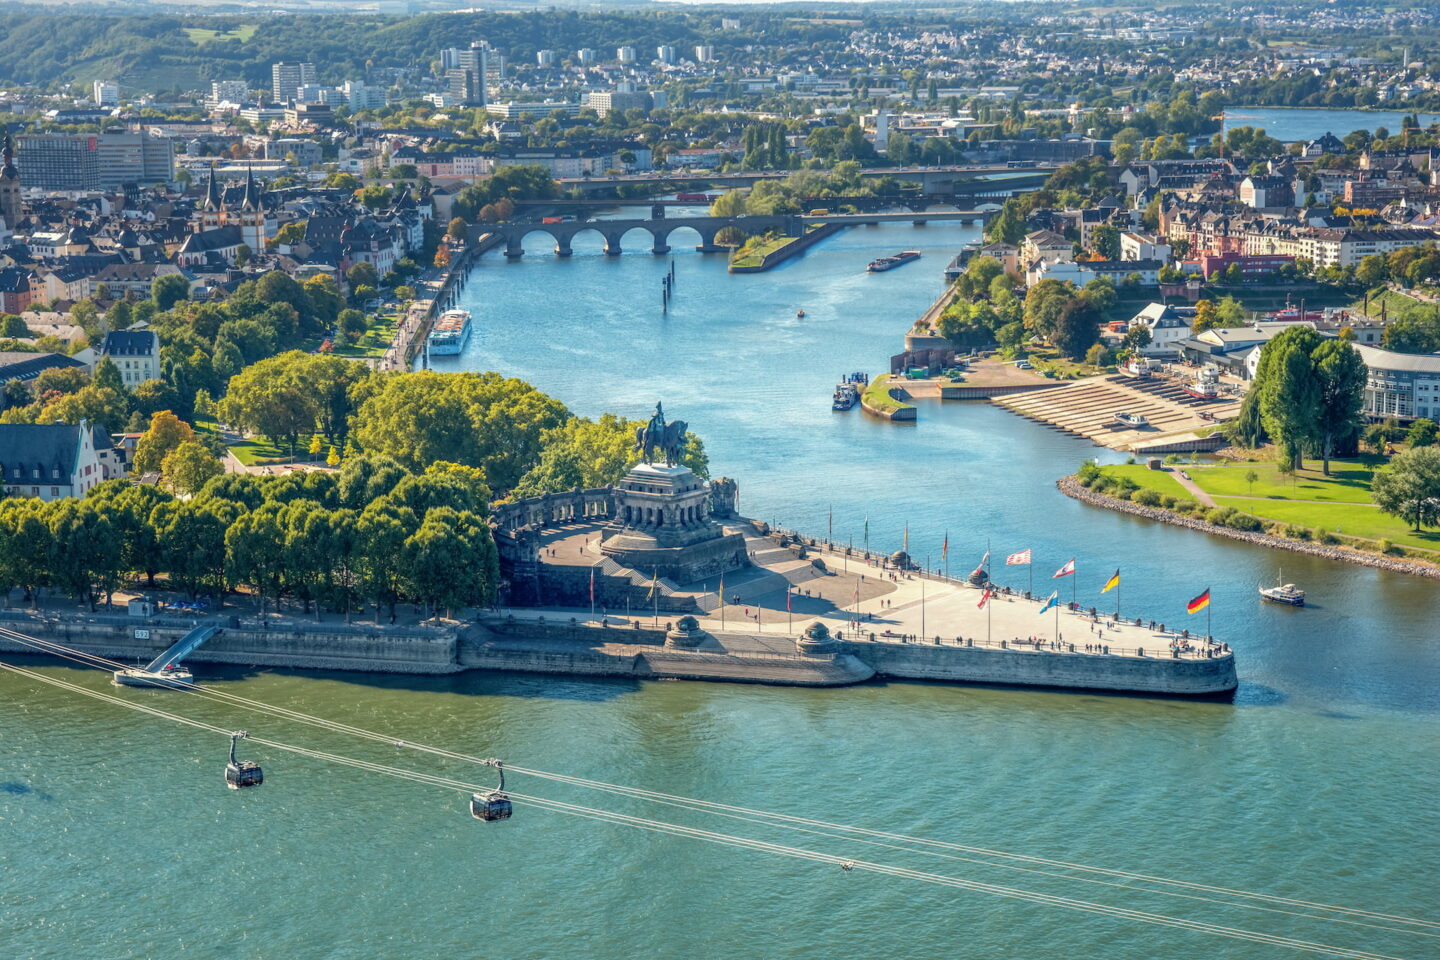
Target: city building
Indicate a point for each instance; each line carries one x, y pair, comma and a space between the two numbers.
106, 93
1405, 386
625, 54
229, 91
286, 79
135, 352
665, 53
704, 53
10, 187
537, 109
545, 58
604, 101
467, 73
95, 161
587, 56
51, 461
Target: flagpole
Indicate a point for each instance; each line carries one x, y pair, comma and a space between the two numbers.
789, 618
922, 596
1032, 575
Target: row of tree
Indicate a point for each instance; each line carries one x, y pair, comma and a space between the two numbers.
374, 532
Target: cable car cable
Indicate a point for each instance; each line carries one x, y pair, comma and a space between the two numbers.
749, 843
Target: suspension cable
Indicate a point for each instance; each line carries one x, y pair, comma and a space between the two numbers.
800, 824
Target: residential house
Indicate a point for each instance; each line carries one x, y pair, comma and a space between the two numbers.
51, 461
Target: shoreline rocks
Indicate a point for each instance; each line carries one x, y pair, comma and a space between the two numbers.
1071, 487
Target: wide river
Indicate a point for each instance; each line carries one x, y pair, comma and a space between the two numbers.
1318, 782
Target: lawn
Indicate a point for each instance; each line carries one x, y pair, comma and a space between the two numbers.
1158, 480
374, 342
243, 33
877, 395
1349, 481
756, 254
256, 450
1347, 519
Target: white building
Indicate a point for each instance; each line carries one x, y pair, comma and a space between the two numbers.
1167, 326
1401, 385
106, 93
229, 91
625, 54
51, 461
704, 53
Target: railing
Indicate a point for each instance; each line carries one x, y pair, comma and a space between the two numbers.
1198, 650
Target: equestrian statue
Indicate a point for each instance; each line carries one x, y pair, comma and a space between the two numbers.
658, 436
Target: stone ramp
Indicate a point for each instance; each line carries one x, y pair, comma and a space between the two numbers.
1087, 408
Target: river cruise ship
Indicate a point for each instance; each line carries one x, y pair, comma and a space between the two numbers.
450, 333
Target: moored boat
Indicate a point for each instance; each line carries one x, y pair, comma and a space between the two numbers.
1131, 419
450, 333
846, 396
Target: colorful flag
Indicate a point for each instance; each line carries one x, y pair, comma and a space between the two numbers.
1051, 601
984, 598
654, 582
592, 586
945, 547
906, 546
1199, 603
1064, 571
1018, 559
722, 589
787, 599
1114, 581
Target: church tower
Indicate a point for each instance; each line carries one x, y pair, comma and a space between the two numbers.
9, 185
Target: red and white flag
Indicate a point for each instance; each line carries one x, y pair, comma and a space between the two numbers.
1066, 570
1018, 559
984, 598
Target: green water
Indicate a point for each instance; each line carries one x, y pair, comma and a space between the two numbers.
119, 840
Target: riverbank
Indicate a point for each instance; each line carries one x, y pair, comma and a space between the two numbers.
783, 248
880, 400
1072, 487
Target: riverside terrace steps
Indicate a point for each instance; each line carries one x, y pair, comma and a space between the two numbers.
1087, 408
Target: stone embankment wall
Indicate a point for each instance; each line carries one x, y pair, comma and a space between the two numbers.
317, 646
1160, 675
1072, 487
792, 249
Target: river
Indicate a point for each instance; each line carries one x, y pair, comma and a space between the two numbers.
1293, 123
117, 839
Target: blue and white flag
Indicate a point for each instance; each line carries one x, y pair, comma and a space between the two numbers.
1051, 601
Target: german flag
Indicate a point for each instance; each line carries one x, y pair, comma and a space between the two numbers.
1199, 603
1112, 583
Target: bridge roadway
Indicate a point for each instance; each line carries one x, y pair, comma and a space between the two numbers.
514, 232
931, 179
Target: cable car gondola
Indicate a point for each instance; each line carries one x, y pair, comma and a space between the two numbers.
242, 773
492, 804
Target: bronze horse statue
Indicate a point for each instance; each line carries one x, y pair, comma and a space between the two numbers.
666, 438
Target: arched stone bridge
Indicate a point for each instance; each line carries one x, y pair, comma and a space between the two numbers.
613, 231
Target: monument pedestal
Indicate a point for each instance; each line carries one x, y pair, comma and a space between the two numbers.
662, 526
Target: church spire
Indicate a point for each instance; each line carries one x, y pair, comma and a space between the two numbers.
214, 202
7, 154
250, 201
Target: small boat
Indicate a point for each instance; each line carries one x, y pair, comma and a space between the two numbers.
1206, 386
800, 313
881, 264
1131, 419
846, 396
1288, 594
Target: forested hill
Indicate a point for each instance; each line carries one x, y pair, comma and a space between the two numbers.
163, 53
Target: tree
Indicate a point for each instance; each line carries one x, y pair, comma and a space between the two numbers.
1097, 355
165, 433
362, 274
456, 228
169, 290
1076, 328
191, 534
1250, 477
1106, 241
1409, 487
1204, 316
1422, 433
255, 551
342, 181
1288, 392
152, 396
1340, 374
1371, 271
442, 256
108, 375
352, 324
1137, 338
316, 446
481, 420
189, 467
243, 253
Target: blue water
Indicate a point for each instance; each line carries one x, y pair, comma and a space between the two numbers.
1290, 124
118, 839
